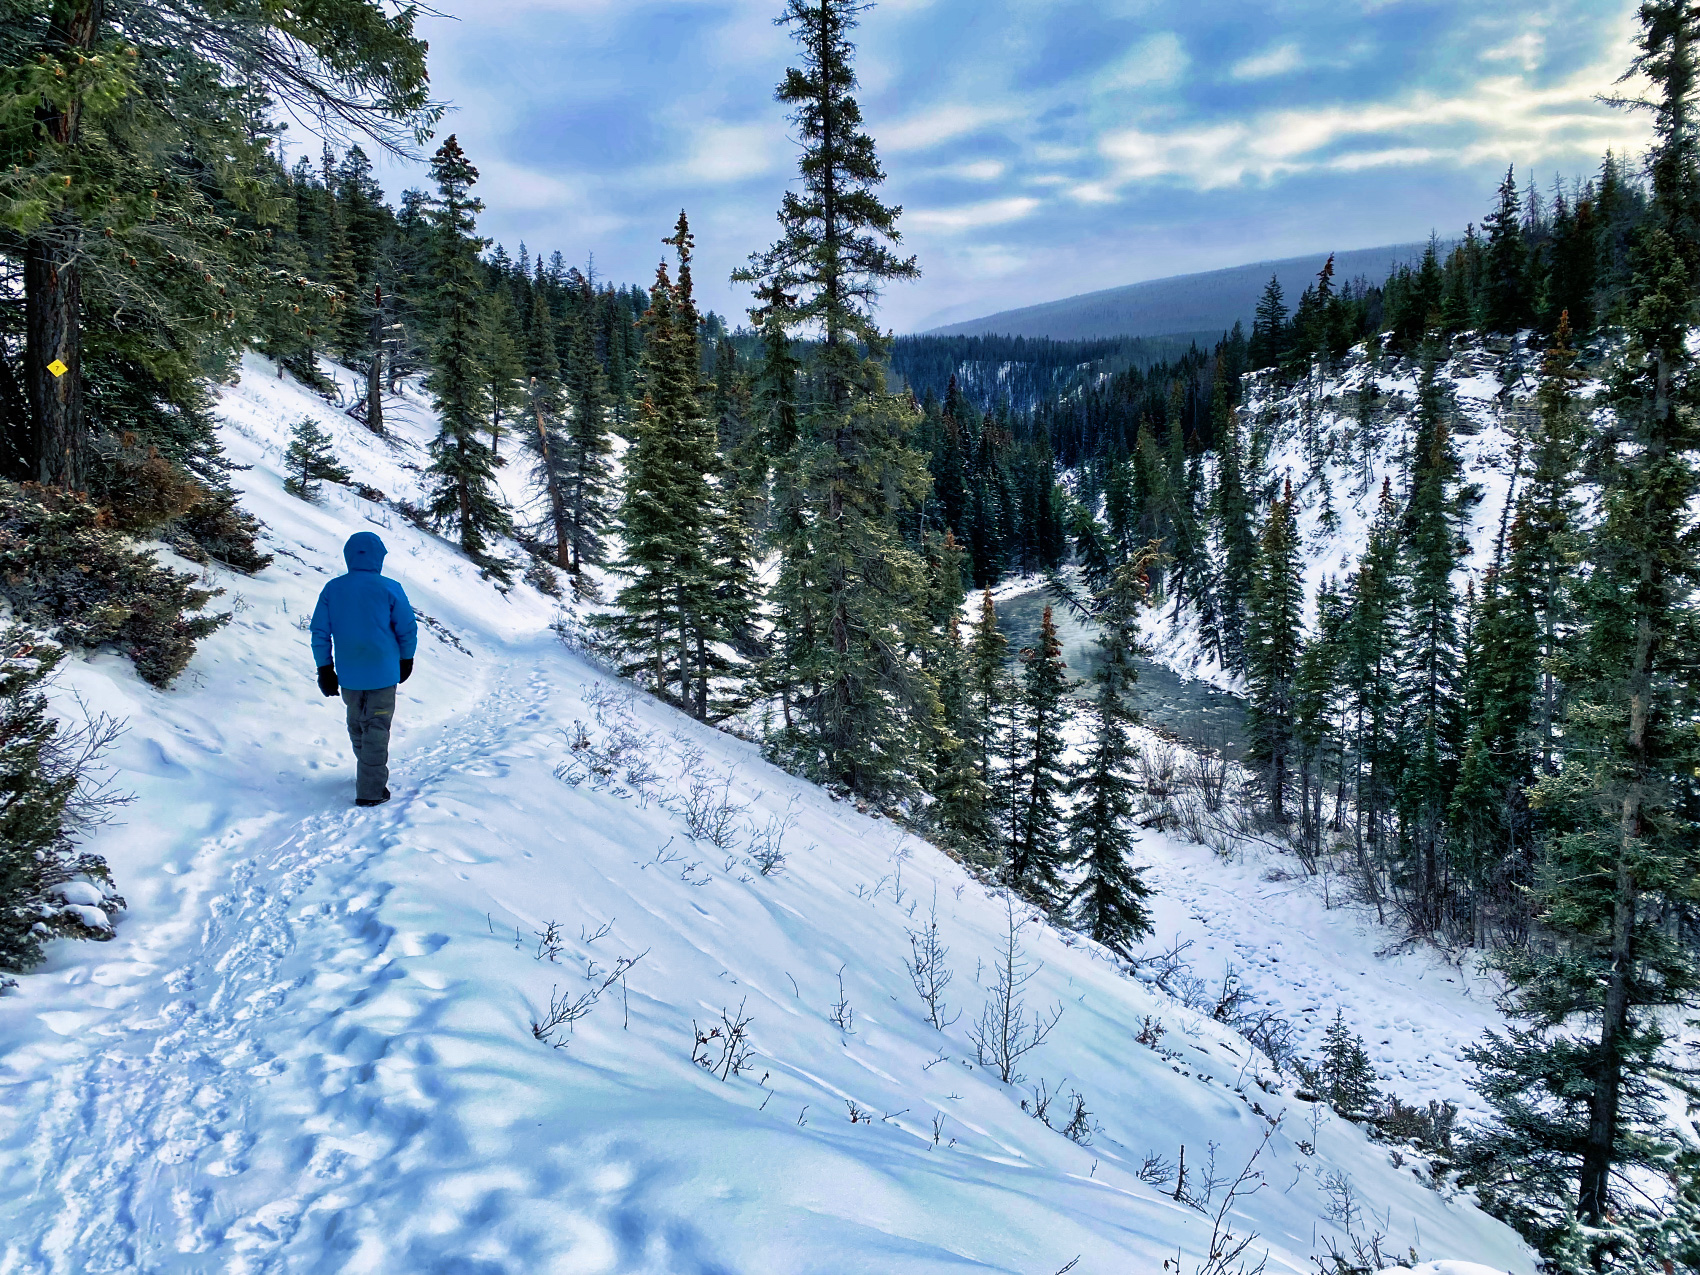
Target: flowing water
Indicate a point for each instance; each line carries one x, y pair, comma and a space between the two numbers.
1193, 711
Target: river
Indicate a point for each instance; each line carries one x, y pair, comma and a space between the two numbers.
1193, 711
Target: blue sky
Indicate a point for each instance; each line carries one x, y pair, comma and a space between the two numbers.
1039, 149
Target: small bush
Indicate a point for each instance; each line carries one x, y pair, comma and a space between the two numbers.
310, 461
1429, 1128
542, 577
1343, 1077
219, 530
48, 888
142, 490
63, 568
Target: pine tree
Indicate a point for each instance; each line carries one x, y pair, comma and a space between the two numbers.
502, 359
463, 467
310, 461
1506, 303
1039, 778
990, 690
1108, 901
1431, 721
667, 608
1269, 335
586, 477
1573, 1087
963, 808
1274, 641
1318, 697
1344, 1072
850, 592
134, 150
1371, 660
1519, 631
1232, 507
544, 433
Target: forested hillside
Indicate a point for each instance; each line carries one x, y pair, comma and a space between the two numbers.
1211, 301
1438, 529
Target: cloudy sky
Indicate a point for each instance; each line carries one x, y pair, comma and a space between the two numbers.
1039, 148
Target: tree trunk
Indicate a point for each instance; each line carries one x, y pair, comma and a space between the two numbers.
1592, 1198
53, 290
557, 506
53, 334
375, 374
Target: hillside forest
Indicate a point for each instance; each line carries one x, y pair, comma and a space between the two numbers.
780, 522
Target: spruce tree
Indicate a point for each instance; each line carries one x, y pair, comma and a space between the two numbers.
1573, 1082
586, 476
666, 517
1371, 660
1274, 641
1039, 776
963, 809
1108, 901
310, 461
502, 358
1506, 305
1431, 719
990, 690
850, 592
1318, 702
1233, 510
462, 473
1518, 635
1269, 327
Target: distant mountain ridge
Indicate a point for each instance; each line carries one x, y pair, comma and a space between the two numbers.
1207, 302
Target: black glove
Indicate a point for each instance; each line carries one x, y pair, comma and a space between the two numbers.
327, 679
406, 669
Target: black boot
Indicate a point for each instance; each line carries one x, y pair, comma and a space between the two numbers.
373, 801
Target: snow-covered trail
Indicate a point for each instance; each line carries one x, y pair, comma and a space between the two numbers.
289, 955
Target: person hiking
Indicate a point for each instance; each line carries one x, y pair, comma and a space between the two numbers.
367, 618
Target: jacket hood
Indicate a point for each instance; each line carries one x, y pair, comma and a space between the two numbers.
364, 552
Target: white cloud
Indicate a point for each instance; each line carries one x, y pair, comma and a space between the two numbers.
991, 212
731, 152
1498, 117
937, 124
1281, 59
1157, 60
977, 170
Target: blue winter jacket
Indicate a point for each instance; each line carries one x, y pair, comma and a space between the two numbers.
368, 618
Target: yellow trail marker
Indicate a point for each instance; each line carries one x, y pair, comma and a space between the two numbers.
57, 367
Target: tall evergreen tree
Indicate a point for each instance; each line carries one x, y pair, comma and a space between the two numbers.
1040, 775
1108, 901
1274, 641
586, 475
1430, 691
850, 592
1371, 659
667, 608
1572, 1083
1506, 303
1269, 334
463, 467
1233, 508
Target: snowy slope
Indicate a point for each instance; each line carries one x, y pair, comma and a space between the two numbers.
1488, 394
309, 1049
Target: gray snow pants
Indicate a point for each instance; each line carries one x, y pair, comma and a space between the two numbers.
369, 716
